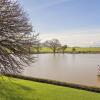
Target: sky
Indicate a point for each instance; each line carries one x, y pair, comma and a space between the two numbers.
73, 22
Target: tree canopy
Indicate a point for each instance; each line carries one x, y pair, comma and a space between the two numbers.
15, 37
53, 44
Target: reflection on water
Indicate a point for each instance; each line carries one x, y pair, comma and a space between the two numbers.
98, 78
75, 68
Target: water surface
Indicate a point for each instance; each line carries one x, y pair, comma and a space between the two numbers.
74, 68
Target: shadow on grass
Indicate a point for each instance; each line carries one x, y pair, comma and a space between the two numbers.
22, 87
15, 91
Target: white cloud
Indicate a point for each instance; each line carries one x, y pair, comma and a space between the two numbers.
76, 38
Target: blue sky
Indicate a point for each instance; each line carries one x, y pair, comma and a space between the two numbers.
73, 22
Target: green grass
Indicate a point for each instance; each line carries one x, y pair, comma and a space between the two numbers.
17, 89
69, 50
46, 50
94, 49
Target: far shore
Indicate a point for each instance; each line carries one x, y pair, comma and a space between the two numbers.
66, 53
69, 50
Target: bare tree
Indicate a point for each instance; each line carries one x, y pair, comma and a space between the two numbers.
15, 37
73, 49
64, 48
38, 46
53, 44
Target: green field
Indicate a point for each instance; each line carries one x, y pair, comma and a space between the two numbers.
89, 50
16, 89
70, 50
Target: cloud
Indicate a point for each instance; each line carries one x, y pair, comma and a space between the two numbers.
75, 38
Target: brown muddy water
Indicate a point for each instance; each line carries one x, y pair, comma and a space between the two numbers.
73, 68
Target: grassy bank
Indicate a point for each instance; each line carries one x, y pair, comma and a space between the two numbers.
54, 82
17, 89
70, 50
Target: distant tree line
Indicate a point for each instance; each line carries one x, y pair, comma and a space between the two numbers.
54, 45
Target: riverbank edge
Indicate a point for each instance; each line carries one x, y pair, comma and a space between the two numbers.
54, 82
67, 53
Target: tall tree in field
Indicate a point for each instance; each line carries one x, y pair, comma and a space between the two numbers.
38, 45
53, 44
73, 49
64, 47
15, 37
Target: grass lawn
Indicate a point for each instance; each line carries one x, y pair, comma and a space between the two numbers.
16, 89
93, 49
69, 50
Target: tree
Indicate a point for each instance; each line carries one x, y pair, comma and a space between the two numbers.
15, 37
64, 48
73, 49
38, 47
53, 44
